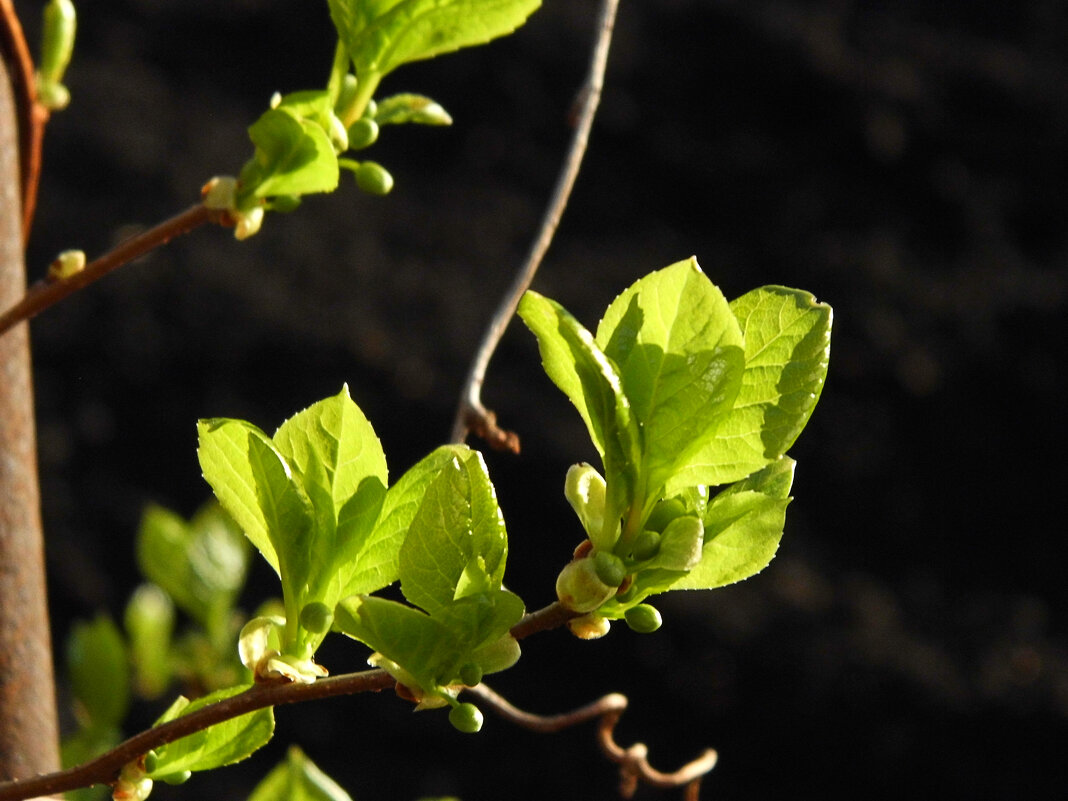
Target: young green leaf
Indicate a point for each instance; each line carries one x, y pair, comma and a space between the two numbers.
680, 355
200, 564
218, 745
338, 460
256, 485
743, 527
590, 380
378, 561
457, 544
410, 108
99, 673
298, 779
787, 347
293, 157
381, 35
149, 623
421, 645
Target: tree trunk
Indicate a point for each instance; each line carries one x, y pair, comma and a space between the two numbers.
28, 729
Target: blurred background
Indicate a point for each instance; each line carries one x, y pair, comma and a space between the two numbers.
904, 161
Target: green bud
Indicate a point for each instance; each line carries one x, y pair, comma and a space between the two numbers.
66, 264
471, 674
586, 490
373, 178
371, 110
181, 777
363, 133
643, 618
610, 568
580, 589
284, 204
681, 544
59, 25
346, 95
664, 512
339, 136
151, 760
466, 718
646, 545
316, 617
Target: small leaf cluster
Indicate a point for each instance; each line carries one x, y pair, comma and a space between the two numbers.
302, 140
680, 391
314, 499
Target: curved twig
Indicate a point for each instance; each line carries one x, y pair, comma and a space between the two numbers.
31, 114
634, 767
46, 293
471, 415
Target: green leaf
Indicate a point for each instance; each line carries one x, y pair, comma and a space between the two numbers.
787, 347
433, 649
378, 561
200, 564
99, 673
743, 527
149, 623
412, 639
590, 380
336, 456
222, 744
293, 157
313, 105
255, 484
381, 35
680, 356
298, 779
457, 544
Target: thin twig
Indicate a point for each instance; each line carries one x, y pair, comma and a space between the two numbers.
32, 115
471, 415
634, 767
45, 293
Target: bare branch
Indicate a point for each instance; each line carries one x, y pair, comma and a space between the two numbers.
46, 293
471, 415
634, 767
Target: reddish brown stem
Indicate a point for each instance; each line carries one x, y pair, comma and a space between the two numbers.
32, 116
46, 293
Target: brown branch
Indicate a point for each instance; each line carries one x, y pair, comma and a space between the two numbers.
105, 768
46, 293
634, 767
549, 617
471, 415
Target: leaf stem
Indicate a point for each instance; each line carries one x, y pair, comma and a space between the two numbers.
45, 293
471, 415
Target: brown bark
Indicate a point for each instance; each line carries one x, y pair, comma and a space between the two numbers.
28, 729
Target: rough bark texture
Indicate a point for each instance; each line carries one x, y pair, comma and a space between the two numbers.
28, 736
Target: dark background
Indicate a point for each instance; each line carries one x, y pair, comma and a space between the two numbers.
904, 161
